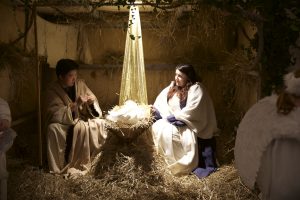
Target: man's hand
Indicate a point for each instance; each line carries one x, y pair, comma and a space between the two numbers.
73, 106
90, 99
81, 100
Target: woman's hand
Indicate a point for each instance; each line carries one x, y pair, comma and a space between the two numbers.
175, 121
155, 113
152, 109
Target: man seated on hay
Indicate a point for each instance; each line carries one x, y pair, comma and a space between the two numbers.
75, 130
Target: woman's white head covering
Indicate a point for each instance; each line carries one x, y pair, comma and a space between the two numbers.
292, 83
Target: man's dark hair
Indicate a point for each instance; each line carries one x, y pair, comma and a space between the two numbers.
63, 66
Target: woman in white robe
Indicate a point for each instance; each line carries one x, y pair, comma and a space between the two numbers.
75, 130
185, 114
267, 147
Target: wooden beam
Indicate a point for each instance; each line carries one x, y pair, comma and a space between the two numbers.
38, 83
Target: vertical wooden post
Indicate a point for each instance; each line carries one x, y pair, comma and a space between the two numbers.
38, 83
26, 14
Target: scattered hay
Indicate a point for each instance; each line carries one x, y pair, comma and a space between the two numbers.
125, 171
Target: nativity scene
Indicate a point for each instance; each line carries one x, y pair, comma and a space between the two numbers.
149, 100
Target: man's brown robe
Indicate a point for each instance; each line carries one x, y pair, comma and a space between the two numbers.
89, 133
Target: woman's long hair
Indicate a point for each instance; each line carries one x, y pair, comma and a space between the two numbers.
190, 72
284, 102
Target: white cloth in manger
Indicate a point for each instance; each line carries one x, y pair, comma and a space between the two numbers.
130, 113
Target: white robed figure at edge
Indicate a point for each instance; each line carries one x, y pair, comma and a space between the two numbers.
7, 136
267, 146
185, 117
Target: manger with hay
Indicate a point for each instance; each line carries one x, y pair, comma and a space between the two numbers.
129, 121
